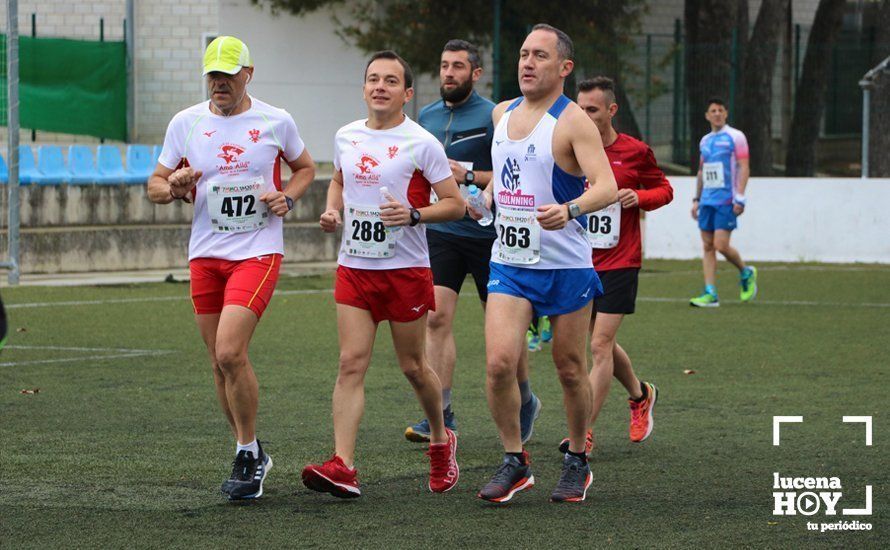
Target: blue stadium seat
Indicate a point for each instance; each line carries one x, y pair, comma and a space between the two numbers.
156, 153
140, 164
111, 167
51, 169
4, 171
27, 165
83, 168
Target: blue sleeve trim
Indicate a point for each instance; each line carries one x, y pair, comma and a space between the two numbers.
559, 106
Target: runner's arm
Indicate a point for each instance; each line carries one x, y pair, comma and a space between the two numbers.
587, 146
166, 184
330, 219
450, 206
744, 173
656, 189
303, 173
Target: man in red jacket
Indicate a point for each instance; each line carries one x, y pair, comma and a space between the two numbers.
614, 233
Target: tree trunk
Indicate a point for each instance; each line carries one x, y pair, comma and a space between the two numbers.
879, 138
809, 104
755, 107
709, 25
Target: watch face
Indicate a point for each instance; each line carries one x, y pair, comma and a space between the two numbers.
470, 177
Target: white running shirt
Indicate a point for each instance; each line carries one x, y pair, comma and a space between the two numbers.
406, 160
240, 157
525, 177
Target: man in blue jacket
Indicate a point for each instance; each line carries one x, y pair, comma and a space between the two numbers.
461, 121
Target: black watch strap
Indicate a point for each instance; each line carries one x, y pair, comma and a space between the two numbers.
415, 217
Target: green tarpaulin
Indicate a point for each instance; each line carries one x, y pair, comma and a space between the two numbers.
70, 86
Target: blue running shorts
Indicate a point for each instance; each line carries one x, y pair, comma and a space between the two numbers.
712, 218
550, 291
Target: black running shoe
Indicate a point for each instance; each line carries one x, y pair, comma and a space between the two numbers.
573, 482
248, 474
512, 476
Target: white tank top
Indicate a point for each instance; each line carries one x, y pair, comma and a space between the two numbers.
526, 176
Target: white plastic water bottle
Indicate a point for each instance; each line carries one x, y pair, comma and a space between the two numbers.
477, 203
385, 196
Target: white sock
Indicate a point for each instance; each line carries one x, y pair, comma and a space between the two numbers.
252, 447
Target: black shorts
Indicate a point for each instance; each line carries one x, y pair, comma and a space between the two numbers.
620, 291
453, 256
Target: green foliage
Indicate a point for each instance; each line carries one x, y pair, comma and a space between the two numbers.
600, 29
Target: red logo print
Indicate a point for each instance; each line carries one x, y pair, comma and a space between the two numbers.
230, 153
210, 134
393, 151
365, 174
254, 135
366, 163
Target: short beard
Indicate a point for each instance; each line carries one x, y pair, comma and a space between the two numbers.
459, 93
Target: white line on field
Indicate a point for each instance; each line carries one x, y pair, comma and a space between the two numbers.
806, 303
28, 305
96, 302
467, 290
67, 348
127, 353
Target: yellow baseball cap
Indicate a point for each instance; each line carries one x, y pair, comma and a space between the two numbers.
226, 54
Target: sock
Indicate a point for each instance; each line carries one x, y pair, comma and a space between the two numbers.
582, 456
525, 391
644, 390
711, 289
517, 456
446, 399
251, 447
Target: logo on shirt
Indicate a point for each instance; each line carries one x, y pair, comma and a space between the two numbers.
512, 194
365, 174
231, 155
530, 153
393, 151
210, 133
510, 175
254, 135
616, 162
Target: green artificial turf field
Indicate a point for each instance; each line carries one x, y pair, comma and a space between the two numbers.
124, 446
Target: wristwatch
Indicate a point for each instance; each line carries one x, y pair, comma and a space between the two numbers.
470, 178
415, 217
574, 210
290, 203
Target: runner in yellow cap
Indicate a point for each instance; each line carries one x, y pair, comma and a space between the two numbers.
225, 156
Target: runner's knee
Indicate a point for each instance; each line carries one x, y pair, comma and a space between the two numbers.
601, 346
414, 371
230, 359
570, 366
439, 322
501, 370
352, 366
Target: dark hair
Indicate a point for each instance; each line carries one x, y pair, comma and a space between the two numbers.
564, 45
604, 83
389, 54
458, 45
717, 100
